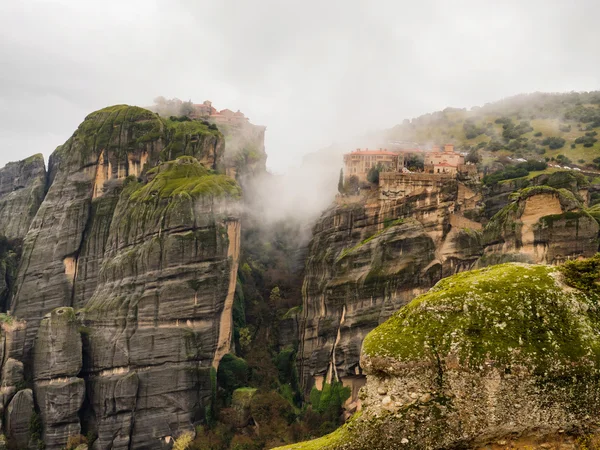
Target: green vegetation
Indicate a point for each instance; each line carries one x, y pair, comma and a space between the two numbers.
524, 126
188, 138
373, 174
514, 171
330, 400
106, 128
185, 177
583, 274
232, 374
512, 314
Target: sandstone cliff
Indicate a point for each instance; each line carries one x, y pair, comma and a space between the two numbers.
541, 225
370, 257
372, 254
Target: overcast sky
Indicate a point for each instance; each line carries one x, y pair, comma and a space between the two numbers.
313, 71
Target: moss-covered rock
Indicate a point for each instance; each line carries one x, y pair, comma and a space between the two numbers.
510, 314
185, 177
509, 350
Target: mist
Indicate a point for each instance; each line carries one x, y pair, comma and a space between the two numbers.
313, 73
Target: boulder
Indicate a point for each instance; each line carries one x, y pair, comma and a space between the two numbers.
240, 404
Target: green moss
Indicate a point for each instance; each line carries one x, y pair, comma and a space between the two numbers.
121, 127
185, 177
243, 395
35, 159
548, 221
187, 138
340, 436
512, 314
5, 318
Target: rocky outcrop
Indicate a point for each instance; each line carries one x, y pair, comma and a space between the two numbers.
22, 189
141, 235
160, 315
57, 360
19, 415
541, 225
498, 195
369, 258
482, 357
53, 244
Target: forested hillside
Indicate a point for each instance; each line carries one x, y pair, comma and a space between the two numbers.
555, 127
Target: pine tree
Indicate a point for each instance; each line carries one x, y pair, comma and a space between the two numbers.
341, 182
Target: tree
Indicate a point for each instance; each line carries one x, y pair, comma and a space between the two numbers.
275, 295
187, 108
554, 142
352, 185
473, 156
341, 182
373, 174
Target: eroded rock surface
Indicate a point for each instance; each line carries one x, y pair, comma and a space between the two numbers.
541, 225
57, 361
140, 233
22, 189
369, 258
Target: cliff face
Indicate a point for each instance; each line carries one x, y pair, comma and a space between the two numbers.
541, 225
125, 284
22, 189
369, 258
371, 255
469, 364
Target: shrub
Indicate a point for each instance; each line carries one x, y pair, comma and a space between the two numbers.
75, 441
588, 140
240, 442
183, 442
232, 373
373, 174
471, 130
537, 133
554, 142
583, 274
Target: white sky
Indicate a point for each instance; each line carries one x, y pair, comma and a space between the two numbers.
312, 71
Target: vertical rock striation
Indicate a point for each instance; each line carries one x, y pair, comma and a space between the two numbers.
369, 258
141, 234
57, 360
158, 319
22, 189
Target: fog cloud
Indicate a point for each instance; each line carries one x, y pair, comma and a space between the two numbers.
312, 71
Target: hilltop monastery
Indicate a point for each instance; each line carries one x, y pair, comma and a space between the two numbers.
437, 161
206, 110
